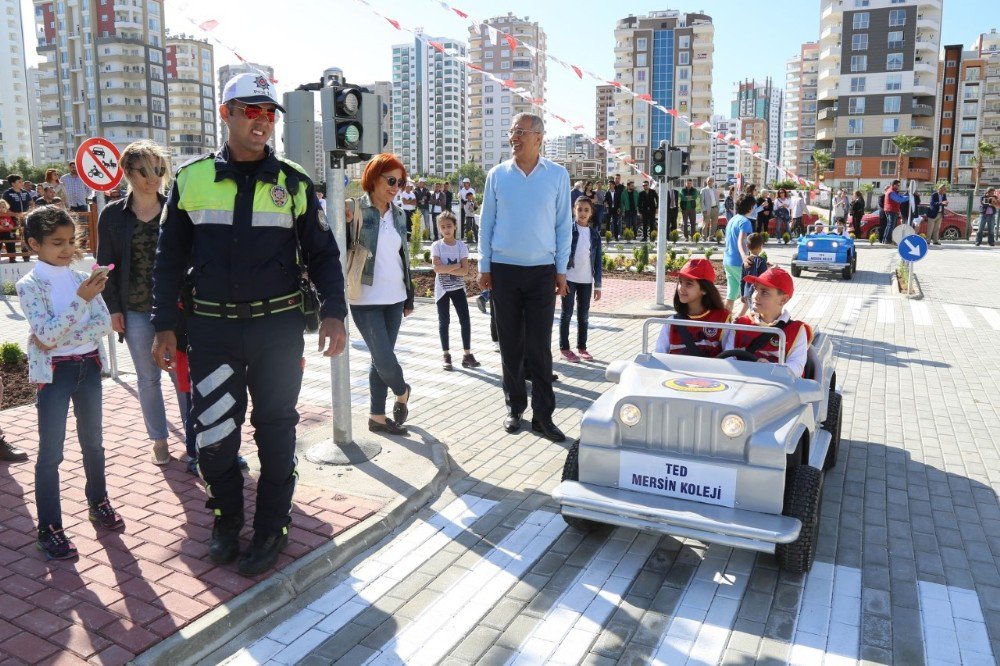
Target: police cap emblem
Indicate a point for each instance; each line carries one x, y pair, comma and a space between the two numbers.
711, 332
279, 195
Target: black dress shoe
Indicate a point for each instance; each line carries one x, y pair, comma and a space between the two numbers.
225, 544
9, 453
263, 552
390, 427
512, 422
548, 430
399, 410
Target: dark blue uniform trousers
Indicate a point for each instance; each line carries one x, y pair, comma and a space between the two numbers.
228, 358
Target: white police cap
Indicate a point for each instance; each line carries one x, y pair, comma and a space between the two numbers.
251, 88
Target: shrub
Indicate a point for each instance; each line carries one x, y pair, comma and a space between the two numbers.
709, 252
652, 235
786, 238
620, 247
719, 235
924, 236
766, 236
609, 263
872, 238
607, 236
628, 235
640, 266
641, 254
11, 354
427, 256
469, 236
674, 235
428, 293
697, 237
853, 237
416, 235
8, 289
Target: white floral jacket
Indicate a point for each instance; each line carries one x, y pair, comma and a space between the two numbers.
62, 329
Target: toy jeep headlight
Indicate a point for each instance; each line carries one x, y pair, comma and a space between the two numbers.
810, 244
835, 245
629, 414
733, 425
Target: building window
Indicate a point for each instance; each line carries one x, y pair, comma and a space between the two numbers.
943, 164
854, 147
972, 74
888, 147
859, 63
856, 105
945, 131
897, 17
641, 44
896, 39
968, 126
894, 62
640, 60
968, 143
684, 42
946, 114
891, 104
857, 84
890, 125
945, 148
859, 41
856, 126
684, 58
853, 167
887, 168
861, 20
640, 75
970, 109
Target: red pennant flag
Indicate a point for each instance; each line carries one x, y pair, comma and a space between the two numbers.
395, 24
646, 98
577, 70
474, 66
239, 57
720, 136
559, 118
672, 112
210, 24
437, 45
578, 127
509, 83
755, 148
538, 101
511, 42
460, 13
616, 84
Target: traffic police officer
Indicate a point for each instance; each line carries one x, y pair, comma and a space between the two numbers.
234, 223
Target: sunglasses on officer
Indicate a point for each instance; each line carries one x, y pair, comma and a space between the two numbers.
142, 171
252, 111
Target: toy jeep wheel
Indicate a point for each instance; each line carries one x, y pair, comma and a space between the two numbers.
571, 472
847, 272
796, 271
802, 502
834, 416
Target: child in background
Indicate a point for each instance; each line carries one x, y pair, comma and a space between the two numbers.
8, 228
68, 319
583, 276
756, 267
469, 205
696, 299
774, 288
451, 264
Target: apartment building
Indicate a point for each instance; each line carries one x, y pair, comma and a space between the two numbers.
799, 124
38, 155
877, 79
755, 131
103, 73
602, 112
725, 156
557, 148
761, 100
429, 106
667, 55
191, 97
16, 129
226, 72
491, 105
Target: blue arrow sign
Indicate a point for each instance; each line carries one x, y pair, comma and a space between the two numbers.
913, 248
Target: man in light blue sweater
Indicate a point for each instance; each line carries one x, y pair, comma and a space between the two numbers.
525, 230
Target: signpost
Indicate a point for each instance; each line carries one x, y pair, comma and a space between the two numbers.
912, 248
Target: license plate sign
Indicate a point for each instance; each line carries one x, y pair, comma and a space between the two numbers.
676, 478
822, 256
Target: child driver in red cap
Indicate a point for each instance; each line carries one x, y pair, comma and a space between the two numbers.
696, 299
774, 287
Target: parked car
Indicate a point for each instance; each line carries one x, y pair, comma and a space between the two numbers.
725, 450
825, 251
952, 226
807, 219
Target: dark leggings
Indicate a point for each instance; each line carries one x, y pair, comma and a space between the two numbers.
456, 296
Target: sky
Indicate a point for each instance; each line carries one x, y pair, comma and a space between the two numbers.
301, 38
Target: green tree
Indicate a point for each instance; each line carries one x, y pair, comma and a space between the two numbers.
472, 171
787, 184
823, 158
904, 146
28, 171
985, 151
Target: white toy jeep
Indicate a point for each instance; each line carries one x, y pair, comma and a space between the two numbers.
723, 450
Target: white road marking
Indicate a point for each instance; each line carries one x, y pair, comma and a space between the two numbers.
294, 638
819, 307
852, 310
588, 602
953, 626
828, 629
992, 317
957, 316
447, 621
921, 314
886, 311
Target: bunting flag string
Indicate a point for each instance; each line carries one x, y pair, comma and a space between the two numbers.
207, 26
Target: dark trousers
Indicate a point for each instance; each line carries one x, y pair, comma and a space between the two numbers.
630, 217
524, 300
598, 218
690, 221
579, 292
647, 220
671, 219
228, 358
79, 382
456, 296
615, 222
891, 220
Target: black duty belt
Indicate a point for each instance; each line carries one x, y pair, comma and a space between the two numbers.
247, 310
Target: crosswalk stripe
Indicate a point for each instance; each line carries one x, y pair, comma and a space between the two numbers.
828, 628
921, 314
589, 601
886, 311
852, 310
819, 307
992, 317
294, 638
445, 622
957, 316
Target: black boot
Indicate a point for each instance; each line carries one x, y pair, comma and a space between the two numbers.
263, 552
225, 545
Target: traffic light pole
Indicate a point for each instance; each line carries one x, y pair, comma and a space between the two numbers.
661, 245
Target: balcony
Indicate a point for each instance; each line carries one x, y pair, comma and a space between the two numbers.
921, 152
916, 173
830, 33
921, 131
923, 110
832, 51
921, 67
829, 113
830, 73
827, 93
826, 134
924, 86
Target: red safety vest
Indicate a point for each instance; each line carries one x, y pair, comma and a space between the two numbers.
889, 205
769, 352
707, 340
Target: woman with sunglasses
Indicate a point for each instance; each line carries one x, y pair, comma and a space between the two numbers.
127, 231
386, 291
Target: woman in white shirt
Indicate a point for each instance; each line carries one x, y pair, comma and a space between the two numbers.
386, 292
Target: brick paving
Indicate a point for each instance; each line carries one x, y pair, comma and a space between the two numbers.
129, 590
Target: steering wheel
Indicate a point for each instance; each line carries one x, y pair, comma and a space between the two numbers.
739, 355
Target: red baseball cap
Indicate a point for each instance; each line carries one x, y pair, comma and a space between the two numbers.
698, 269
775, 278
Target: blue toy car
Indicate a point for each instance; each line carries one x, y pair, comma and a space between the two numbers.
823, 250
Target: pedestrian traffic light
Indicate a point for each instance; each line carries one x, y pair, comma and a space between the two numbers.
685, 162
659, 168
352, 122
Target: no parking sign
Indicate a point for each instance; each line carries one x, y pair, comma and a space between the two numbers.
98, 163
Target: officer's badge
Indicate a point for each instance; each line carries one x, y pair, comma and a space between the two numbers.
324, 224
775, 341
711, 332
279, 195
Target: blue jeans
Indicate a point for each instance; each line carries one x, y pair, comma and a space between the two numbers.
139, 338
379, 326
79, 381
986, 222
581, 292
891, 219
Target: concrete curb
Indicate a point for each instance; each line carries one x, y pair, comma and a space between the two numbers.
210, 632
918, 293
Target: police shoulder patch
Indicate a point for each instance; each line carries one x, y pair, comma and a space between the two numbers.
279, 195
324, 224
